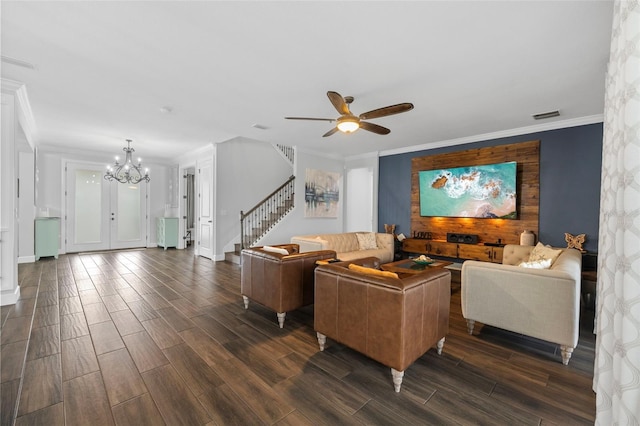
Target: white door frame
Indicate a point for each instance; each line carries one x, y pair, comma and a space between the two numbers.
182, 206
65, 210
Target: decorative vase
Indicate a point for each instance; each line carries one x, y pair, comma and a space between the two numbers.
527, 238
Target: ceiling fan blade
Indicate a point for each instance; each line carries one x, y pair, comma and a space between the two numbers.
374, 128
330, 132
310, 118
338, 102
388, 110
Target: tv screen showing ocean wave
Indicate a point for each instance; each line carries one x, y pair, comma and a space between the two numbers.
486, 191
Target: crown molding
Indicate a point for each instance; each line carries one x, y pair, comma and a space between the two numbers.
10, 86
305, 150
555, 125
365, 156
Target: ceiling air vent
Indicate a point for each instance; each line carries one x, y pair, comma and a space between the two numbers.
18, 62
544, 115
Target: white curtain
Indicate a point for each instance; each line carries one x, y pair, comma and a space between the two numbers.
616, 378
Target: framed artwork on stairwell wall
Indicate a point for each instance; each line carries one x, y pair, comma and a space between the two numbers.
321, 194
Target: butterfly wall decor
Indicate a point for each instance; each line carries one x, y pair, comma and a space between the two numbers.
575, 241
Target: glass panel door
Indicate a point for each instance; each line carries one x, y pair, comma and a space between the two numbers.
103, 215
128, 215
87, 208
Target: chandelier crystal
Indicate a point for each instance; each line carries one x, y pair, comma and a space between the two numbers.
127, 172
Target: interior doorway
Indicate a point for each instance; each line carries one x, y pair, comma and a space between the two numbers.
359, 190
189, 205
101, 214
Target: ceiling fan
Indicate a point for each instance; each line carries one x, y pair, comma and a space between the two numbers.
349, 123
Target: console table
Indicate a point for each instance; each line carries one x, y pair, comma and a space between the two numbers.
454, 250
47, 234
167, 232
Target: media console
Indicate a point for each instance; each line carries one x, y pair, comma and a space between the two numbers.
487, 252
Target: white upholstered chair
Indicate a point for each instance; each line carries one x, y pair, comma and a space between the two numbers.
541, 303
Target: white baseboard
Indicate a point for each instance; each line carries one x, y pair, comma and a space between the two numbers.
26, 259
10, 297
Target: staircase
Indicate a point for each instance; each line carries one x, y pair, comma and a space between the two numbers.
255, 223
233, 256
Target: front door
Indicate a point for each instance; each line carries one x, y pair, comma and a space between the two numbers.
103, 215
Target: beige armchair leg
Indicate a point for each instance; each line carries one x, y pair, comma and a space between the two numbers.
397, 379
245, 299
281, 316
566, 352
470, 325
322, 340
440, 345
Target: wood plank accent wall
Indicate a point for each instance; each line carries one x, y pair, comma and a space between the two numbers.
526, 154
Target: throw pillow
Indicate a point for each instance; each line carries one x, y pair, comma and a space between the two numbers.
542, 252
541, 264
367, 240
372, 271
279, 250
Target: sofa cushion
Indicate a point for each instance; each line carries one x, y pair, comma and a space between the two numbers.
542, 252
278, 250
346, 245
372, 271
539, 264
367, 240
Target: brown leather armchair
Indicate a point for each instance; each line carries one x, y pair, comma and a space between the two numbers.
393, 321
278, 281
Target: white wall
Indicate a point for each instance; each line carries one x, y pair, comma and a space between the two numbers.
49, 183
159, 197
26, 202
9, 289
295, 223
246, 172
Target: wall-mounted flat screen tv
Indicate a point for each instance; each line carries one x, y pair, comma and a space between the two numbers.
486, 191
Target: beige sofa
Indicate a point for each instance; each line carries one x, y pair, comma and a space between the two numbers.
346, 245
541, 303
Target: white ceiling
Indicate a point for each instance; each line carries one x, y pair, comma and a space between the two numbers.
104, 70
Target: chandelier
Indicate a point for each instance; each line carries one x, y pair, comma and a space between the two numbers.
127, 172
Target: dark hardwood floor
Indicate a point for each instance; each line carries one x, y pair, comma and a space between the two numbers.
161, 337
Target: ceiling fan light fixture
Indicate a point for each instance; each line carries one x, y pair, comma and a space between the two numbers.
348, 124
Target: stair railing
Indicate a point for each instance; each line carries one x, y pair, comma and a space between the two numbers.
255, 223
288, 151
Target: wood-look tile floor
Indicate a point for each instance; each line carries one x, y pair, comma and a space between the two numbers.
161, 337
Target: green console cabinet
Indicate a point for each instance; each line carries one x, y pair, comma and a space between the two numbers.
167, 235
47, 236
